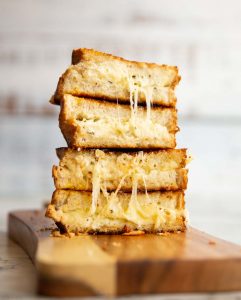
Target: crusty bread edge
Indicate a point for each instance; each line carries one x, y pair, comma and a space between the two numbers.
69, 129
181, 184
79, 55
50, 213
60, 152
102, 105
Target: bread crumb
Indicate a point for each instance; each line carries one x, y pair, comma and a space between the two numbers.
135, 232
56, 233
163, 233
70, 234
211, 242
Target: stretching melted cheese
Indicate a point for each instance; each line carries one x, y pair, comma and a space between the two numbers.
134, 171
162, 210
139, 85
133, 127
145, 127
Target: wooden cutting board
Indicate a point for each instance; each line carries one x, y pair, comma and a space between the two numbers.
118, 265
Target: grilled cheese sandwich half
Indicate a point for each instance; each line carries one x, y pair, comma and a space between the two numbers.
103, 76
117, 171
125, 212
88, 123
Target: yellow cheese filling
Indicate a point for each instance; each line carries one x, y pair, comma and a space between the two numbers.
131, 128
134, 126
135, 172
76, 171
139, 212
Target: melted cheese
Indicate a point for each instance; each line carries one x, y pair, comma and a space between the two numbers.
96, 184
114, 211
134, 171
133, 127
145, 127
138, 129
135, 212
139, 85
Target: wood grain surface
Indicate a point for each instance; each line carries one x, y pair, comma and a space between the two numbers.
120, 265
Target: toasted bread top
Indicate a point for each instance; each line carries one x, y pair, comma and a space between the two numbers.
104, 76
85, 54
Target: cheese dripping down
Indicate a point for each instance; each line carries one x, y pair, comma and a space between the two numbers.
137, 85
136, 173
140, 85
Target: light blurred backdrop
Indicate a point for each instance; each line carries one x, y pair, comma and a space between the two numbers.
203, 38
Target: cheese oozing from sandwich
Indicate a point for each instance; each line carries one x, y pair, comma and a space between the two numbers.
158, 170
137, 85
135, 125
117, 213
136, 173
89, 123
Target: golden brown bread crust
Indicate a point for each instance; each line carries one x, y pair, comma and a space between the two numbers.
133, 152
76, 169
59, 200
179, 184
70, 104
58, 96
84, 54
125, 230
112, 108
73, 107
56, 200
87, 55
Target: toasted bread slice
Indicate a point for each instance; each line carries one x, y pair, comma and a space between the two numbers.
157, 212
153, 170
99, 75
88, 123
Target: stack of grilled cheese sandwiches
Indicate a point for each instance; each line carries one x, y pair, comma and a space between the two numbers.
120, 172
